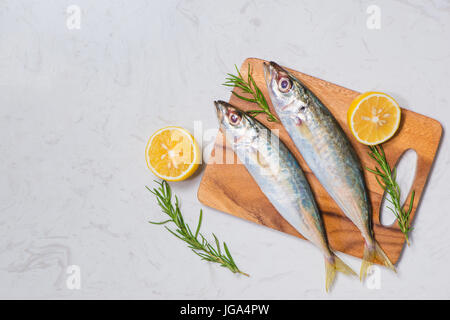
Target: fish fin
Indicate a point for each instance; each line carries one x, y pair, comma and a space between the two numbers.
336, 264
372, 254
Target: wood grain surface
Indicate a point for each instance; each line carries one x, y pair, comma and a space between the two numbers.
227, 186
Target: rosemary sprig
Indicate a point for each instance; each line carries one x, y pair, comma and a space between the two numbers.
388, 183
195, 241
249, 86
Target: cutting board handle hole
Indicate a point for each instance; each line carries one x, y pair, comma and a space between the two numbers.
406, 174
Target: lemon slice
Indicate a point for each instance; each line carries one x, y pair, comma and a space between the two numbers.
172, 154
373, 117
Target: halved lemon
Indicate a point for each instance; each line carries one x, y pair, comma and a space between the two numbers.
172, 154
373, 117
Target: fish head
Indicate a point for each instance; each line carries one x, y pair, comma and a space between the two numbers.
288, 95
235, 123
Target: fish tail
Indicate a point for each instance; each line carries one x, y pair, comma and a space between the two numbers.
373, 253
333, 264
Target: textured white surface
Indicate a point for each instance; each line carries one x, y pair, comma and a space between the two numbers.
77, 107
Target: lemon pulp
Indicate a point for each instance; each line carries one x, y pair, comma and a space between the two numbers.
172, 154
373, 117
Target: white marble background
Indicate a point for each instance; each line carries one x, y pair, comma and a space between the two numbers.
78, 105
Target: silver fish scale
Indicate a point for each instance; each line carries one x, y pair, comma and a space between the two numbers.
281, 179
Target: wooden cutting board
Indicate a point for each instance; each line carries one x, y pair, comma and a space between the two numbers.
230, 188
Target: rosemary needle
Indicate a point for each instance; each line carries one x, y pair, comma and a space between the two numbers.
249, 86
195, 241
386, 178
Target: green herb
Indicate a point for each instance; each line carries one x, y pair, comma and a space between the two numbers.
249, 86
387, 180
196, 241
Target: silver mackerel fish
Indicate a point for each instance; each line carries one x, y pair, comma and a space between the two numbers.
327, 151
279, 177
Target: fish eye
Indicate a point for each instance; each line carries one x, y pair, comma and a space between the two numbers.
234, 118
284, 84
